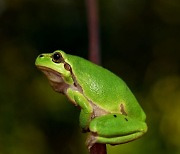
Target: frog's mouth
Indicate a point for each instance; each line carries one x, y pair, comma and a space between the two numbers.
55, 79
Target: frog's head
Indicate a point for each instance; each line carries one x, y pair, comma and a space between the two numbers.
58, 71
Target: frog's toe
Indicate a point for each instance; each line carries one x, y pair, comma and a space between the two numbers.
91, 140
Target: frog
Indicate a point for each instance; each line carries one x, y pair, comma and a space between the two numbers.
109, 111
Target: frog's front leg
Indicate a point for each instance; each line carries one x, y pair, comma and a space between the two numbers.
86, 108
115, 129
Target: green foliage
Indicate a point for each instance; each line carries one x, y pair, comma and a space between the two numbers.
140, 43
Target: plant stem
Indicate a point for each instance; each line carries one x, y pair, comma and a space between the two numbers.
93, 30
94, 53
98, 149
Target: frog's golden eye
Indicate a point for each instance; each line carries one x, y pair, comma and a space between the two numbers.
57, 58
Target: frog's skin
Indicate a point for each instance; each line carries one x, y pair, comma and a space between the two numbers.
109, 110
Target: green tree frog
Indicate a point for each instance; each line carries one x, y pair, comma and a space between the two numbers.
109, 110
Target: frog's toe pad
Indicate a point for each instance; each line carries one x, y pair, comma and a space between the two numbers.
91, 140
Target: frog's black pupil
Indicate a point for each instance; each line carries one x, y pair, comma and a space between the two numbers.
56, 56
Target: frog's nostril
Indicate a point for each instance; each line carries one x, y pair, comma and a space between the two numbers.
41, 55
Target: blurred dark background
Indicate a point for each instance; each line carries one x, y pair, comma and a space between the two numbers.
140, 42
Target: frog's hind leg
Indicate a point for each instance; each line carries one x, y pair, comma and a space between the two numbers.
115, 129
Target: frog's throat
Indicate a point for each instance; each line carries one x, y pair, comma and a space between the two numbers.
55, 79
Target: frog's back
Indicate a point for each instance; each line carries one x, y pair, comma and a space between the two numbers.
104, 88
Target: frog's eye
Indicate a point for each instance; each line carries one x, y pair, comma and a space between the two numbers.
57, 58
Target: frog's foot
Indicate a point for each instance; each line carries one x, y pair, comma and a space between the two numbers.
114, 129
91, 140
